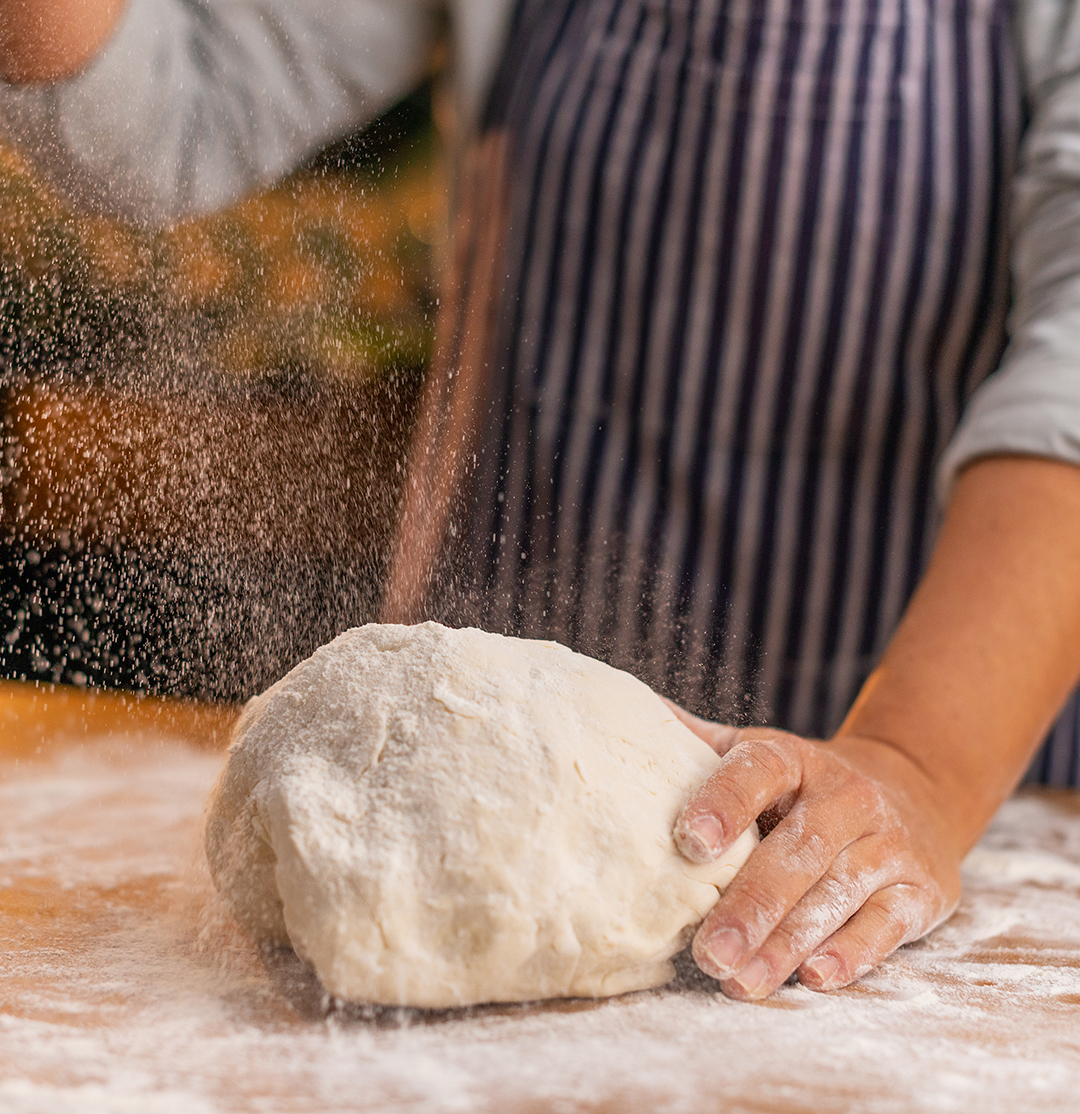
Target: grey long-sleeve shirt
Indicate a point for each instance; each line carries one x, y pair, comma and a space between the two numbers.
193, 102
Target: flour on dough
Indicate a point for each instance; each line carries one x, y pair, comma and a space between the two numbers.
437, 817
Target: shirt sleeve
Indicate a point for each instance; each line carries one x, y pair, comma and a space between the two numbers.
1031, 404
194, 102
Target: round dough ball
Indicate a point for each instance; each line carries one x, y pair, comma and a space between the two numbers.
437, 817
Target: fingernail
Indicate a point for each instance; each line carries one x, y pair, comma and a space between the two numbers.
751, 977
701, 838
722, 951
822, 967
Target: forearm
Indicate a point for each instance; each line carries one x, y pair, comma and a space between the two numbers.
188, 106
47, 40
990, 645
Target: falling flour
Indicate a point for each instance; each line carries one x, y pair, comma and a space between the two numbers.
436, 817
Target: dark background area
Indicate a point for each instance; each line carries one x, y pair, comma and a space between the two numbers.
203, 431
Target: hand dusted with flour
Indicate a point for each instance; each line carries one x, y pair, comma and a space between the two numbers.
438, 817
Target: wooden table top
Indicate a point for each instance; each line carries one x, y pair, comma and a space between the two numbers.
124, 988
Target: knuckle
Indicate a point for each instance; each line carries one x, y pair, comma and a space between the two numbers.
881, 868
868, 804
728, 791
832, 909
866, 937
761, 759
792, 940
755, 908
912, 910
775, 756
810, 852
872, 798
889, 919
817, 917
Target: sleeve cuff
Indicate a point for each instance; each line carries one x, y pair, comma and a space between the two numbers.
1031, 410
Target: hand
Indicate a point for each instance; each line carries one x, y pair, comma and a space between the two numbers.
860, 861
48, 40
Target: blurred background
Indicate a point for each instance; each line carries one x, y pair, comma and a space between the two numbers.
203, 429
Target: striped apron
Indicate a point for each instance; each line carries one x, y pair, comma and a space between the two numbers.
728, 272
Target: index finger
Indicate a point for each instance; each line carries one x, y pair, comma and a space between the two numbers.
753, 775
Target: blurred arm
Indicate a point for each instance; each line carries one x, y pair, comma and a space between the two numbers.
1031, 405
165, 108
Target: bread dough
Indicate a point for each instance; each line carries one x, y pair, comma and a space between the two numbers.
437, 817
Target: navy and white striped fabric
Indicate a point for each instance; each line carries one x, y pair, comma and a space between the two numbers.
749, 263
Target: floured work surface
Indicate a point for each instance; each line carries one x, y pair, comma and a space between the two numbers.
121, 989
